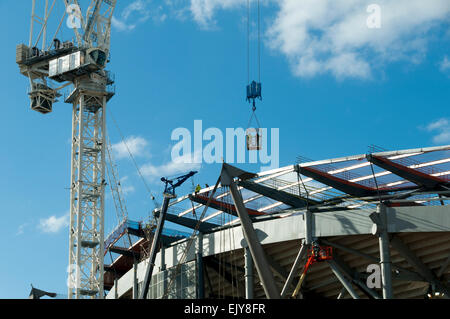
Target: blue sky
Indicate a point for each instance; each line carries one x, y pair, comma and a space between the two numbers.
331, 85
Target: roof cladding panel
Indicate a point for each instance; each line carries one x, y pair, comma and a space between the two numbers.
436, 164
351, 182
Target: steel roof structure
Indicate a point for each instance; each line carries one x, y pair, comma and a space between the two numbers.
408, 177
345, 199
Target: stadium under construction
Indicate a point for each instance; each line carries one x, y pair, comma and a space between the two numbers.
374, 225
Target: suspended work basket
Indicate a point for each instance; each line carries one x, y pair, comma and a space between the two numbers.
254, 139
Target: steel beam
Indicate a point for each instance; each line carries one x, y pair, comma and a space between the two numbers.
355, 277
215, 264
116, 294
400, 274
278, 195
124, 252
349, 250
248, 274
200, 271
410, 174
347, 285
136, 232
222, 206
414, 261
443, 267
208, 280
276, 267
337, 183
135, 280
259, 257
381, 230
87, 193
342, 294
155, 246
295, 266
308, 222
190, 223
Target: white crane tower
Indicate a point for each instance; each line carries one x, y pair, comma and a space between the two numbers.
80, 63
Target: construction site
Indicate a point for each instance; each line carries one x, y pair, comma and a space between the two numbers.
366, 226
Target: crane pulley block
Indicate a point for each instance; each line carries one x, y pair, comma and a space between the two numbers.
254, 92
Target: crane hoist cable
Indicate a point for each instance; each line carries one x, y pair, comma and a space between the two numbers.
253, 87
155, 203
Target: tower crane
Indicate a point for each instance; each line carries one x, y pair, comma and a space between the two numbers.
82, 64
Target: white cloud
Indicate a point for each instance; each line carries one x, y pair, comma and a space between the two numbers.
332, 36
21, 229
54, 224
181, 164
121, 25
203, 10
135, 13
126, 188
135, 144
442, 129
445, 64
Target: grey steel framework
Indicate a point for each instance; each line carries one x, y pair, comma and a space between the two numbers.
52, 66
86, 241
387, 208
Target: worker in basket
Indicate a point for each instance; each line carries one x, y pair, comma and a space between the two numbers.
197, 189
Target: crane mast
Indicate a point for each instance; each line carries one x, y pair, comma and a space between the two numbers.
82, 65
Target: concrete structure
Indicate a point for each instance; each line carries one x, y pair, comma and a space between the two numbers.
390, 232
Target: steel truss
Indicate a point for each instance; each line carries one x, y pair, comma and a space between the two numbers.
86, 238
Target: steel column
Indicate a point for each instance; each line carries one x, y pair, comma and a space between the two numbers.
154, 247
116, 295
414, 261
342, 294
401, 274
347, 285
248, 274
308, 227
385, 253
380, 229
297, 262
86, 239
135, 280
355, 277
200, 271
258, 254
